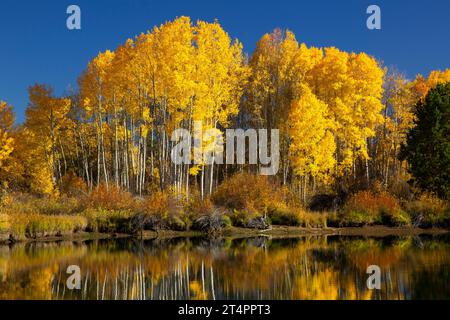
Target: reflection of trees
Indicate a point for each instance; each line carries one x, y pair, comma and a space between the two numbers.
28, 270
259, 268
428, 283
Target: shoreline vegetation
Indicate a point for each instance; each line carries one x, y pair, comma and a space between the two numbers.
243, 205
237, 233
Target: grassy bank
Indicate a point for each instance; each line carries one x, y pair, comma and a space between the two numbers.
242, 204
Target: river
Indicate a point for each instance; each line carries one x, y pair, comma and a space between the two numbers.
322, 267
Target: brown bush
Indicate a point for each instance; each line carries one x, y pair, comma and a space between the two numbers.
164, 210
367, 208
73, 185
111, 198
246, 192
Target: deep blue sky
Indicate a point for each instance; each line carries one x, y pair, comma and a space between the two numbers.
36, 46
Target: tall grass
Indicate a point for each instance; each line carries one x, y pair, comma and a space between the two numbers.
38, 225
281, 214
4, 223
109, 221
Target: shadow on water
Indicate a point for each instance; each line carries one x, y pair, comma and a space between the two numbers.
322, 267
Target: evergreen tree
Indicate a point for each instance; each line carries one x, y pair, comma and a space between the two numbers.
428, 142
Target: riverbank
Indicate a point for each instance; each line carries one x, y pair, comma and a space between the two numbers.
230, 212
235, 232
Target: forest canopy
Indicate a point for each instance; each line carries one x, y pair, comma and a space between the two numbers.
342, 116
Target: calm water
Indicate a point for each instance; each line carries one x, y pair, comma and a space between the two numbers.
256, 268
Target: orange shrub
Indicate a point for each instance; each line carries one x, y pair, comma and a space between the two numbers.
245, 191
196, 206
164, 210
366, 208
156, 203
73, 185
281, 214
372, 204
109, 198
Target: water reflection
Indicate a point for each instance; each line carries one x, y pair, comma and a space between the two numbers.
255, 268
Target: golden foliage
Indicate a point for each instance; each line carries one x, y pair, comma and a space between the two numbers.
109, 197
245, 191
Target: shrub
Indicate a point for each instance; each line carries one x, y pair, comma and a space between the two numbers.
211, 223
280, 214
197, 207
238, 218
312, 219
333, 219
73, 185
367, 208
109, 221
400, 189
110, 198
246, 192
396, 218
351, 218
325, 202
242, 217
53, 206
24, 204
162, 211
5, 199
158, 203
429, 211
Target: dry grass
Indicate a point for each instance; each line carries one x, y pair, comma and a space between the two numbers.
4, 223
109, 221
38, 225
282, 214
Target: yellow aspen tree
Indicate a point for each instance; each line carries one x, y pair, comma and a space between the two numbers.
401, 120
312, 144
437, 77
422, 85
221, 75
45, 118
6, 142
278, 65
38, 165
351, 85
174, 56
95, 90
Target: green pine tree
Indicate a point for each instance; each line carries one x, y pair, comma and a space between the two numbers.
428, 143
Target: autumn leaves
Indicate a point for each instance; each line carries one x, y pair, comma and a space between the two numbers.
6, 141
326, 102
339, 114
163, 80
